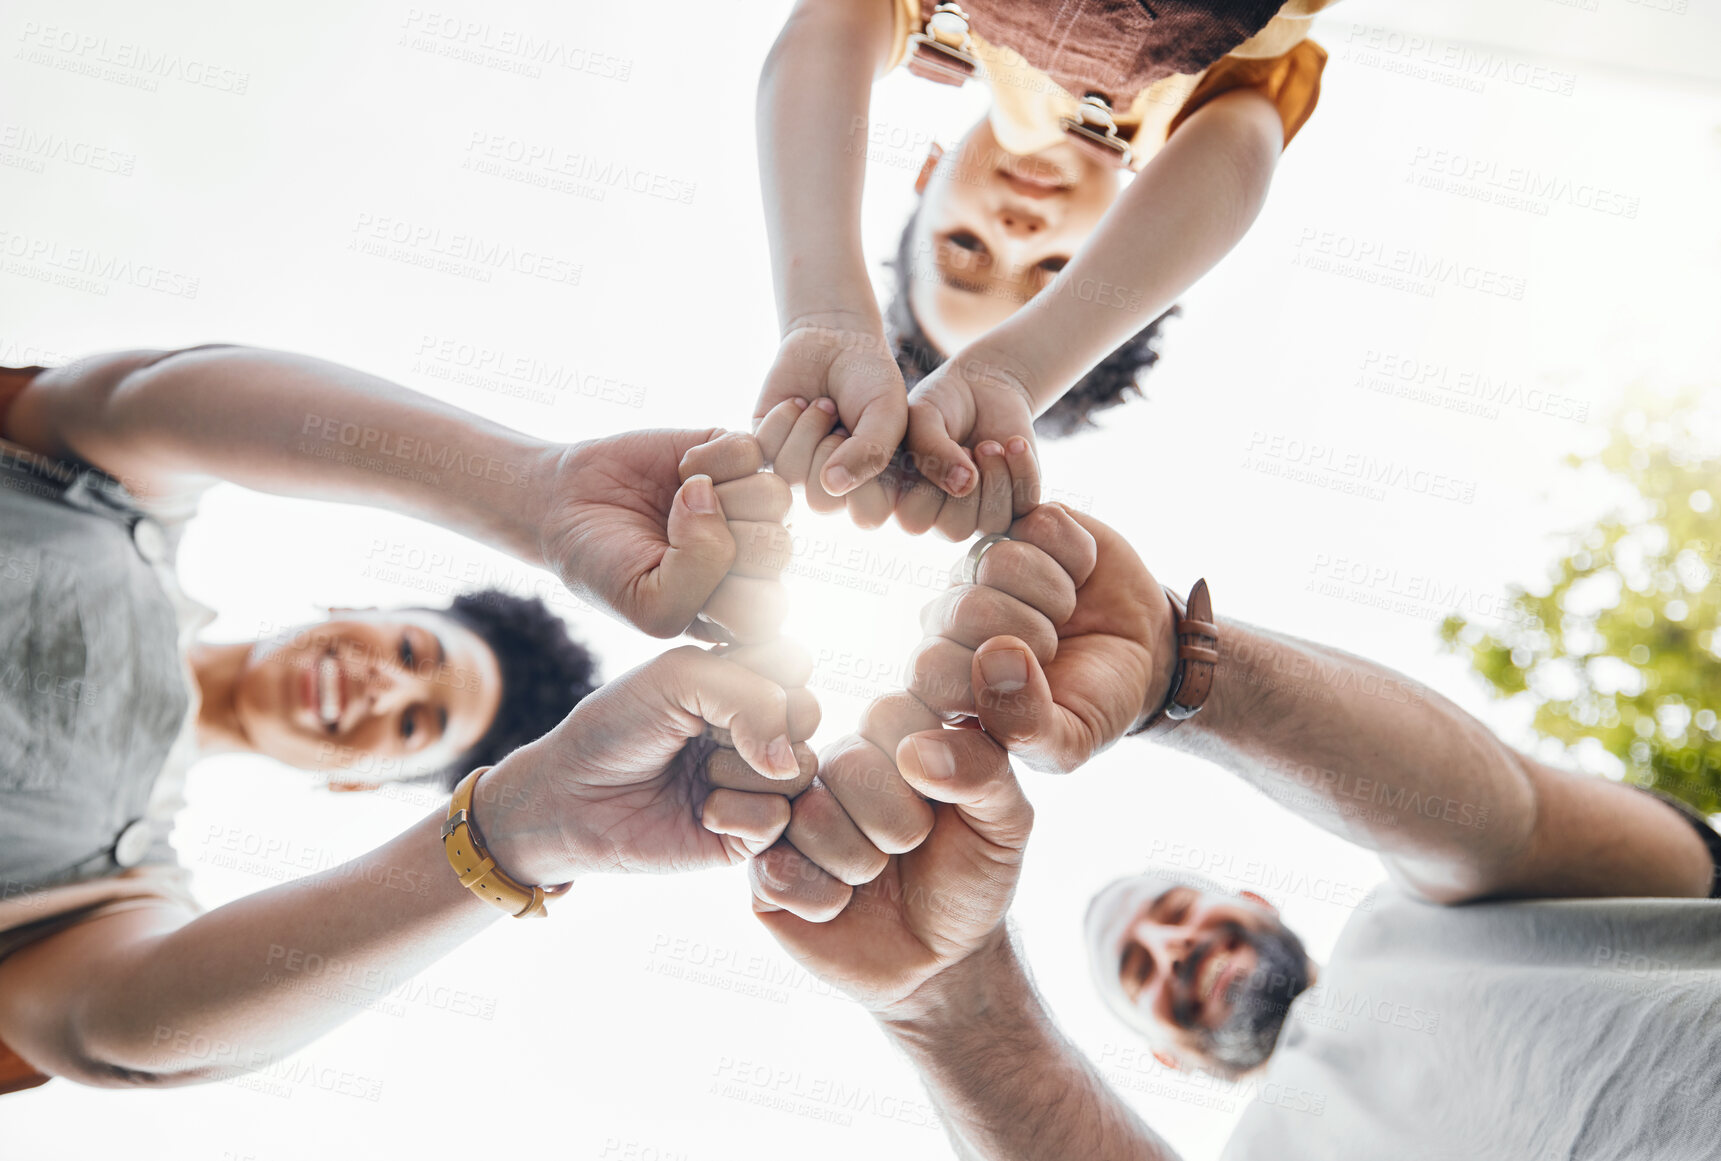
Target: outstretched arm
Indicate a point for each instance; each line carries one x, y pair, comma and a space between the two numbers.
1455, 812
813, 96
1183, 213
812, 113
922, 944
156, 997
1008, 1084
169, 422
1350, 745
653, 526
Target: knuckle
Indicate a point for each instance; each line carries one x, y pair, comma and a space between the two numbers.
930, 676
790, 882
868, 867
778, 494
828, 906
679, 657
850, 753
899, 712
775, 810
773, 702
906, 831
868, 775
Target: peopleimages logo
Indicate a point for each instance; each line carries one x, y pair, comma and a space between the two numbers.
136, 65
506, 49
38, 146
455, 252
1513, 186
1323, 459
388, 445
99, 268
1377, 261
526, 375
541, 163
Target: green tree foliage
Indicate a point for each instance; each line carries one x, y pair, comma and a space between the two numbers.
1623, 647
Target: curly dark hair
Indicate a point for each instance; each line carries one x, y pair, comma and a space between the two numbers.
545, 673
1112, 380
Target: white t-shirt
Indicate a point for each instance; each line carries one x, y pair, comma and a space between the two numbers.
1583, 1028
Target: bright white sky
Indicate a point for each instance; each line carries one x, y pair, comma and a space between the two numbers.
600, 1025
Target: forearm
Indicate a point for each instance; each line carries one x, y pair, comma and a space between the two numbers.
1367, 754
143, 997
1009, 1085
251, 981
295, 426
812, 125
1176, 220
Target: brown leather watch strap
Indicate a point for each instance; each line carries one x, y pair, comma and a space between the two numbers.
1197, 659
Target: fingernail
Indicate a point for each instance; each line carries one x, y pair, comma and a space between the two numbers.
837, 480
1018, 445
826, 406
781, 755
1005, 671
990, 448
957, 479
699, 495
935, 759
800, 404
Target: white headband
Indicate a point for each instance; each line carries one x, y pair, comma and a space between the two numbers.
1109, 919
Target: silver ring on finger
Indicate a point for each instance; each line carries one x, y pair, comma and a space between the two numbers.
970, 571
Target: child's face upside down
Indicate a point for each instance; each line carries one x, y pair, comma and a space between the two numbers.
994, 228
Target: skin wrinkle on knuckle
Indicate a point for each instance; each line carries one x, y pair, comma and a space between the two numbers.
897, 819
768, 880
940, 677
841, 851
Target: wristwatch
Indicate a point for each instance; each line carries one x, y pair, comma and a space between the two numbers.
1197, 658
478, 872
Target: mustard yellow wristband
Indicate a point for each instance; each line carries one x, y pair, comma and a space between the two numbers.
478, 872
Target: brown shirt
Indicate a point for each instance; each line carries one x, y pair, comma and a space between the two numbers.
1277, 60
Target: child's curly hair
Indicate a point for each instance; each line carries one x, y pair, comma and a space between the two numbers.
1112, 380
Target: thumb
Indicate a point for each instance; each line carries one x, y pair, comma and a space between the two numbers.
968, 770
934, 454
874, 435
1015, 705
700, 551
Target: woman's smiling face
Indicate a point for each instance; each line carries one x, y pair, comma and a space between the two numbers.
369, 696
994, 228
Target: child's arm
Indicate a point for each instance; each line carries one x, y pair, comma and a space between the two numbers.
812, 122
1181, 215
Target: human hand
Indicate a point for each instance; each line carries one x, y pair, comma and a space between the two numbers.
1024, 590
927, 910
833, 411
1111, 663
632, 781
658, 527
971, 445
